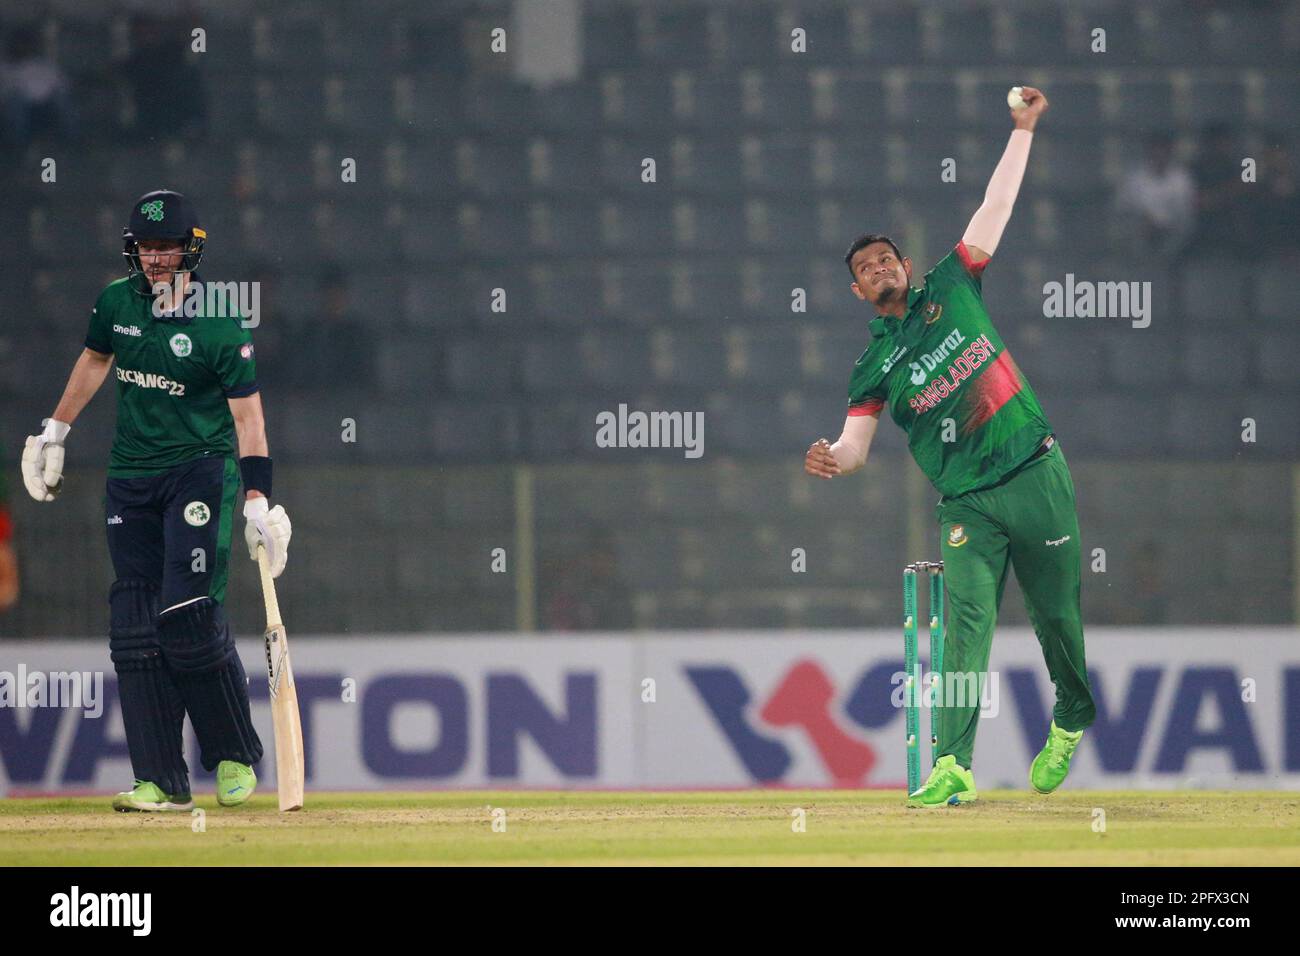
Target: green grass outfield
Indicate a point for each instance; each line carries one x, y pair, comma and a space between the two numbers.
745, 827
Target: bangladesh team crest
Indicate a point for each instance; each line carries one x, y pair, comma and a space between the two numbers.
932, 312
197, 514
957, 536
181, 345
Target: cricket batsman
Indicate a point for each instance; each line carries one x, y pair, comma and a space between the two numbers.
187, 403
978, 433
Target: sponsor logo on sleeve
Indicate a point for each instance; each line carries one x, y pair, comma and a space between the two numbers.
894, 356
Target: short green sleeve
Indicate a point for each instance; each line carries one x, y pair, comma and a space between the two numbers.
230, 355
867, 392
956, 268
99, 336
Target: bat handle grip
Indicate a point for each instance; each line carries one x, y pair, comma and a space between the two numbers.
268, 588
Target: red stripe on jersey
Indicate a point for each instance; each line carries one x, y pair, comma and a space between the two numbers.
6, 526
1000, 383
871, 406
976, 269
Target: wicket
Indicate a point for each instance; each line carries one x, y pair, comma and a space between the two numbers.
912, 667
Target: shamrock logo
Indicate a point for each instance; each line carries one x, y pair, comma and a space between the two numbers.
197, 514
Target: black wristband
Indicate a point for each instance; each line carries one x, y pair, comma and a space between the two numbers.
256, 472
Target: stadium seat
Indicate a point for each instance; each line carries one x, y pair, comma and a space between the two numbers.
1277, 290
763, 358
1140, 359
675, 35
610, 36
564, 164
1214, 99
744, 35
480, 431
478, 366
615, 360
1214, 356
1137, 103
935, 98
635, 100
550, 364
739, 423
498, 104
956, 36
1275, 357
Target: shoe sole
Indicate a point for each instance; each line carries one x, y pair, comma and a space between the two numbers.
155, 807
956, 800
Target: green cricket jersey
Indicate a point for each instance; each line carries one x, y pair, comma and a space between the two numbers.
944, 373
174, 375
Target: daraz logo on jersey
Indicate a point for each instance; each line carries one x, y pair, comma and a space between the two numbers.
962, 368
931, 360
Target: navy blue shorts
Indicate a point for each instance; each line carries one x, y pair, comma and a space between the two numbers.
174, 528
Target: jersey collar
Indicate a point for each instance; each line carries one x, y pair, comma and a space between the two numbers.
883, 324
175, 318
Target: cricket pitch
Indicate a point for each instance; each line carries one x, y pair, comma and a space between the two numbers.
760, 827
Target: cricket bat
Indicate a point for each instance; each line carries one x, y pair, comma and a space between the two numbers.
289, 770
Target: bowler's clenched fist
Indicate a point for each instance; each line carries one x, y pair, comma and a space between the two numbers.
820, 460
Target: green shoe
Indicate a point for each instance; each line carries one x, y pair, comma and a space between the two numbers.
948, 784
1053, 761
235, 783
145, 797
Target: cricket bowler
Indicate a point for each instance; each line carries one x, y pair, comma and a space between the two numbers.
187, 403
976, 430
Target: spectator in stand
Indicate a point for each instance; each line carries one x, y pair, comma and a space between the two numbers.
1158, 200
34, 96
332, 348
165, 83
1223, 216
584, 590
1278, 204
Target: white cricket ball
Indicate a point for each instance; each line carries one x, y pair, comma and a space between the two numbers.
1014, 99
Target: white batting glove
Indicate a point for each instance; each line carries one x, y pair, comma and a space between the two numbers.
269, 527
43, 461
